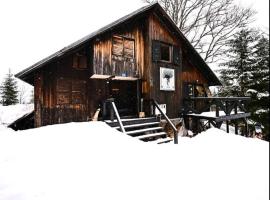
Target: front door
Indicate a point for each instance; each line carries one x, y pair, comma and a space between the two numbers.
125, 95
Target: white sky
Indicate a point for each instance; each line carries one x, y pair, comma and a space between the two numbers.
33, 29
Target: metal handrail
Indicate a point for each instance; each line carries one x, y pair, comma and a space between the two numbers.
114, 108
168, 121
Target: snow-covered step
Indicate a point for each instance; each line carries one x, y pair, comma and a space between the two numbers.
143, 130
151, 135
130, 119
139, 125
163, 140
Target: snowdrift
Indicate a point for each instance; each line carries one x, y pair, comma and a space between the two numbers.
92, 161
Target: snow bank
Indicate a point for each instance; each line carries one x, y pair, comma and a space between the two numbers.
9, 114
92, 161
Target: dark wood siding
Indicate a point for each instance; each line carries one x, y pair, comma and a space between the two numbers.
158, 33
61, 93
120, 53
64, 91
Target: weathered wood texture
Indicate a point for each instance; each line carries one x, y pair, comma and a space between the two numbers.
159, 32
61, 91
64, 91
121, 52
190, 73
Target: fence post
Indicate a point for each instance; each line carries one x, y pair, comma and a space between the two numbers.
236, 123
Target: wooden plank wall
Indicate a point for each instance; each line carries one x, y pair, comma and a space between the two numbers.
61, 93
103, 61
82, 96
158, 31
191, 74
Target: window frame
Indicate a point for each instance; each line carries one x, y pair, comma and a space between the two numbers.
123, 52
170, 52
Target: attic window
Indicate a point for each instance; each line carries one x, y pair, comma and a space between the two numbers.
123, 47
79, 61
165, 52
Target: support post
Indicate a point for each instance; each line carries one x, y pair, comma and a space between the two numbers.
111, 113
104, 111
138, 85
246, 127
236, 123
227, 113
227, 127
217, 110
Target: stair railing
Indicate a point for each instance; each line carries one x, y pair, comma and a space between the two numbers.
175, 135
113, 110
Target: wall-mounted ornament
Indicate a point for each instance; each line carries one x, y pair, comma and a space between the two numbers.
167, 79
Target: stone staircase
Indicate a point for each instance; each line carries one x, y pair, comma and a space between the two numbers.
145, 129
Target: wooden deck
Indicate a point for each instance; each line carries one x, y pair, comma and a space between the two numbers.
226, 109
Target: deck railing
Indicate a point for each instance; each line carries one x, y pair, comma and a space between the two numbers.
198, 105
226, 104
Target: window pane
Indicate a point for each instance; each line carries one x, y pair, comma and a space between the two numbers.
129, 48
117, 46
165, 52
200, 91
190, 90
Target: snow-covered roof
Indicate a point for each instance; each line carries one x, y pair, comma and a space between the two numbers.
9, 114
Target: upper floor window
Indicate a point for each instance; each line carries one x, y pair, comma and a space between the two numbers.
165, 52
123, 47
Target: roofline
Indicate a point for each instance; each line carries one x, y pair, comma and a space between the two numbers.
114, 24
217, 81
83, 40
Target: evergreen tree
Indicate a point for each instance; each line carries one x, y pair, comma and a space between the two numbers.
247, 73
8, 90
259, 86
235, 74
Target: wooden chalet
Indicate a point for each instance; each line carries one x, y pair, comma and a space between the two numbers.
135, 64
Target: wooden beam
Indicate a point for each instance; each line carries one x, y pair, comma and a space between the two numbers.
219, 98
232, 117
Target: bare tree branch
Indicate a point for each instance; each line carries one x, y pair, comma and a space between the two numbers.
208, 24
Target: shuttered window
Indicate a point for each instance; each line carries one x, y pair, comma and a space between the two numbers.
123, 47
70, 91
165, 52
79, 61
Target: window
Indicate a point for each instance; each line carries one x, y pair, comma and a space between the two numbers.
70, 91
123, 47
79, 61
165, 52
195, 90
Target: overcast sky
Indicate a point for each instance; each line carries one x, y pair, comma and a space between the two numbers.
33, 29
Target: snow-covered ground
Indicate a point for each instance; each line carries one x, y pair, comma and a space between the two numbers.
92, 161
